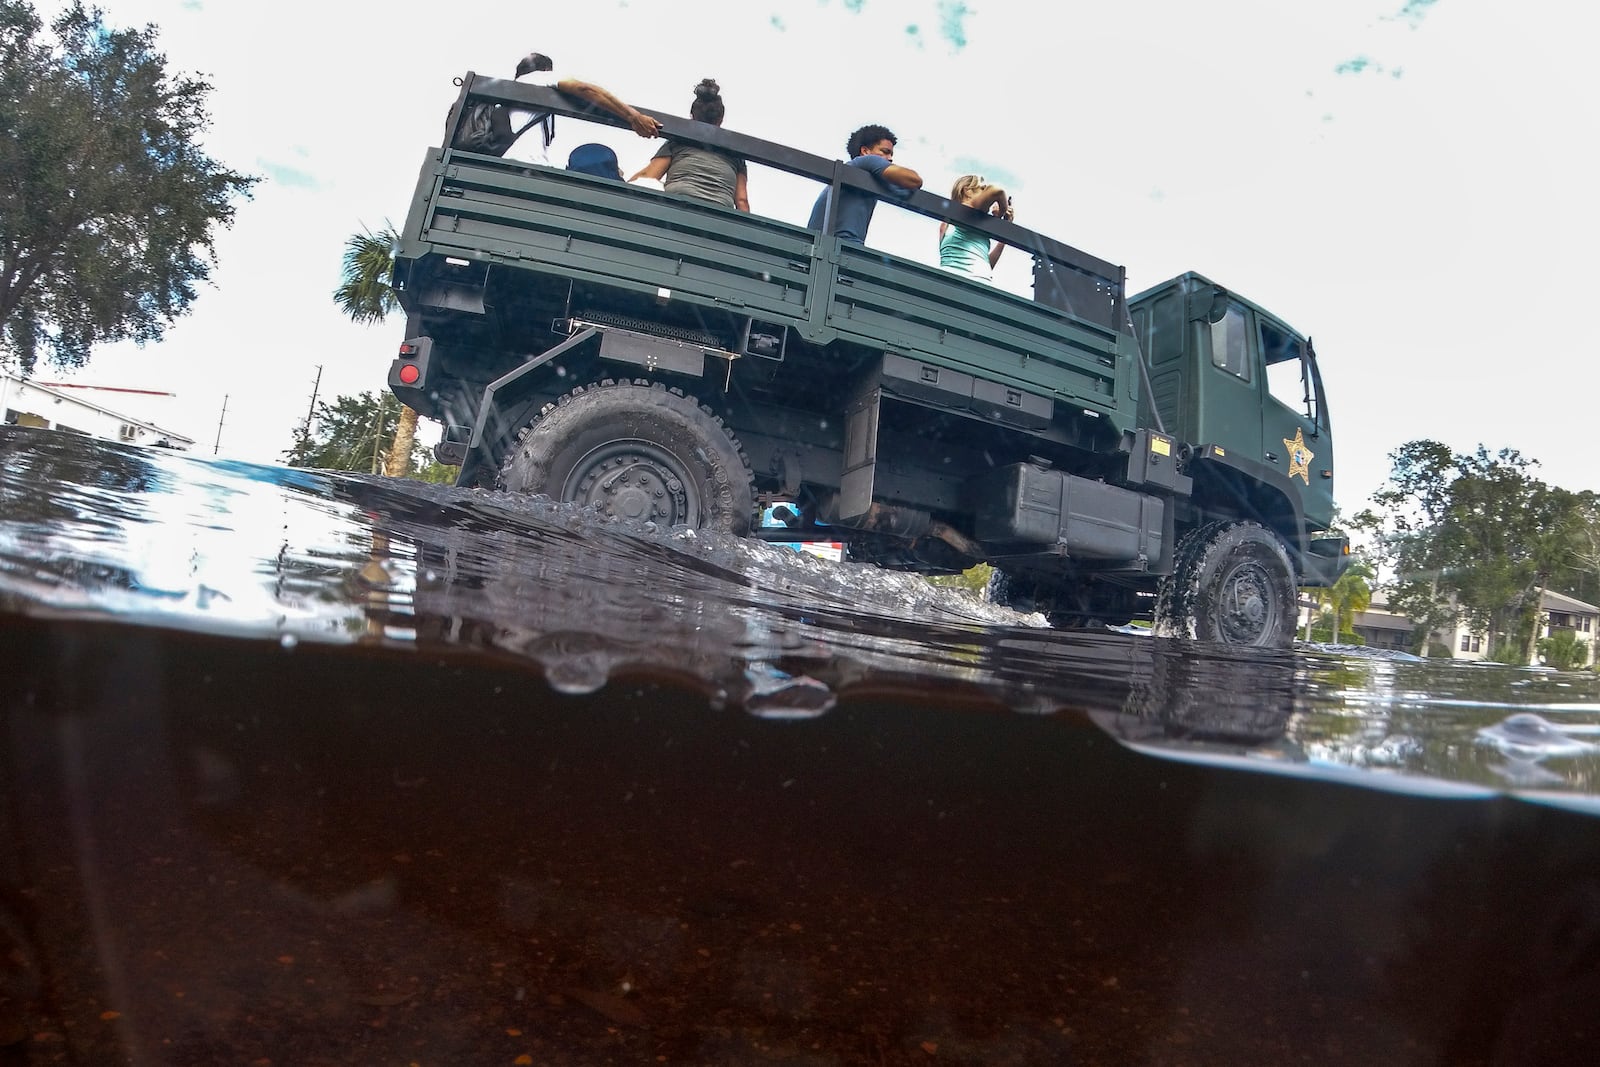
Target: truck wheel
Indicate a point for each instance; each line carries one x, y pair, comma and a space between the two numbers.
1009, 591
1231, 583
635, 450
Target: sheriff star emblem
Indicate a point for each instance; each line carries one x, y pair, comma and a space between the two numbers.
1300, 457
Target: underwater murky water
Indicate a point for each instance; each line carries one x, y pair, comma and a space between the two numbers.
308, 768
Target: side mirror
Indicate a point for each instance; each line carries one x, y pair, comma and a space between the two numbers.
1210, 305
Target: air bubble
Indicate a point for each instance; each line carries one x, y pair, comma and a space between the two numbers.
578, 675
575, 663
776, 695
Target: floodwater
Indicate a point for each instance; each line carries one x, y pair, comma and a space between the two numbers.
303, 768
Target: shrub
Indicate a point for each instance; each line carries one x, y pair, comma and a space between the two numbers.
1563, 651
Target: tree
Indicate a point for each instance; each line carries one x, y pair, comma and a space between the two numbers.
1409, 507
350, 435
1472, 535
1345, 598
366, 295
108, 205
364, 292
1583, 580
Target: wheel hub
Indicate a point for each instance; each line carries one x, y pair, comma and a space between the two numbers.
633, 481
1246, 609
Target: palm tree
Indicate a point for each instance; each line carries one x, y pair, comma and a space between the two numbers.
366, 296
1346, 597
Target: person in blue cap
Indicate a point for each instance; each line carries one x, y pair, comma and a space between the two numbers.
596, 159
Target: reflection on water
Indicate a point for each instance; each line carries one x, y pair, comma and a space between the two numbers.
98, 531
312, 768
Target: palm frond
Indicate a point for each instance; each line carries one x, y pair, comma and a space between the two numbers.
364, 291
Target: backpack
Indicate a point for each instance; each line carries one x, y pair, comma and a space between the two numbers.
487, 128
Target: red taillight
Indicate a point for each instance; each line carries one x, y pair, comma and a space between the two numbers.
409, 374
407, 349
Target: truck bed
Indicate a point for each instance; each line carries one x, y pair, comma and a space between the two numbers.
696, 267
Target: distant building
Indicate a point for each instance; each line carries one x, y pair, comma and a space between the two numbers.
83, 410
1383, 628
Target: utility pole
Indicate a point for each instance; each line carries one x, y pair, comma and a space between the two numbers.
220, 419
312, 410
377, 435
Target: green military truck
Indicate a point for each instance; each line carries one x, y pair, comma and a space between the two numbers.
1167, 455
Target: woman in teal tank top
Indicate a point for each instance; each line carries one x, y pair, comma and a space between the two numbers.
966, 251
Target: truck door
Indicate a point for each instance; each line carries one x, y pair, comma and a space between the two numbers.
1294, 426
1229, 415
1160, 324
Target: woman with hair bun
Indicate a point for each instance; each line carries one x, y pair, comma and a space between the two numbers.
700, 173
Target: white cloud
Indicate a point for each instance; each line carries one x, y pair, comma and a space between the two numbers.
1433, 231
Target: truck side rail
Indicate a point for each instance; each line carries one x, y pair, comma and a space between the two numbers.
1064, 342
1095, 285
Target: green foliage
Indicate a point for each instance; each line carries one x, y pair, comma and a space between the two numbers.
350, 435
366, 295
1584, 581
1439, 650
364, 291
108, 205
1345, 598
1507, 652
1474, 536
437, 473
1563, 651
1322, 630
974, 579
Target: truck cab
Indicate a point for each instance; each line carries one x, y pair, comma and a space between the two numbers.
1242, 390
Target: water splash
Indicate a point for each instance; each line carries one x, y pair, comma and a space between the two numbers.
1526, 736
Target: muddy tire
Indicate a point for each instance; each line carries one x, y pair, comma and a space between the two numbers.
635, 451
1009, 591
1231, 583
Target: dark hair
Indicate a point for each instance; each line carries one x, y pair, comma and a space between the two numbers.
707, 106
534, 61
869, 135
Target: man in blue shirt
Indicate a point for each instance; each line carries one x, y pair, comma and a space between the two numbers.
871, 149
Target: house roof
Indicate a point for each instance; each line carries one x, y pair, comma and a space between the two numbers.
55, 389
1554, 601
1382, 620
1379, 616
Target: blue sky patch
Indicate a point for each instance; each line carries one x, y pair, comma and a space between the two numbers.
952, 22
289, 177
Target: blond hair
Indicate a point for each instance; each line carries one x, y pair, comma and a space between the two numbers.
967, 185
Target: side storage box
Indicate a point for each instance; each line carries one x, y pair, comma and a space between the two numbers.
1092, 520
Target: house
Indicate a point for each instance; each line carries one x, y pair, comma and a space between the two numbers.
1561, 612
82, 410
1382, 628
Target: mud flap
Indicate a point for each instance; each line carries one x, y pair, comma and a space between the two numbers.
860, 449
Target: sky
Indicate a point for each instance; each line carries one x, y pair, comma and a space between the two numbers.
1412, 183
